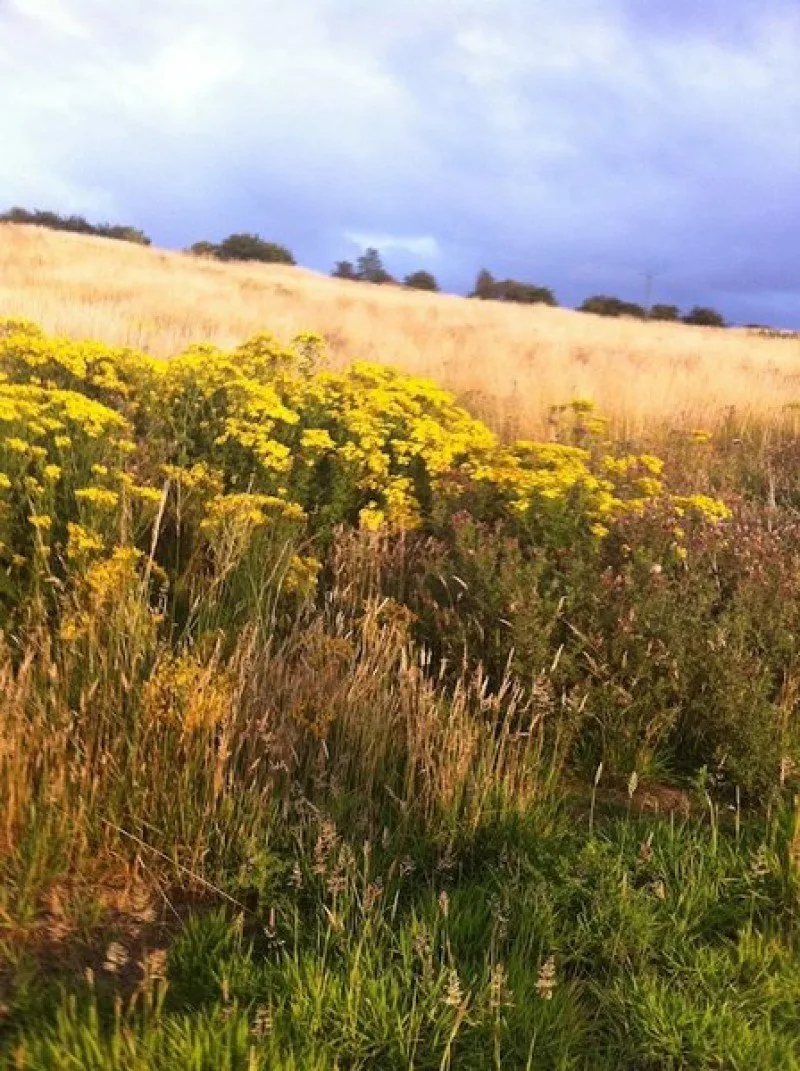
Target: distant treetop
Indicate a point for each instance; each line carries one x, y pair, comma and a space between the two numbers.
370, 269
243, 247
602, 305
669, 313
344, 270
421, 280
203, 249
75, 224
704, 317
487, 288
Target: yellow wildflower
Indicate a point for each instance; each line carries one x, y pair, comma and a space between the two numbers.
100, 497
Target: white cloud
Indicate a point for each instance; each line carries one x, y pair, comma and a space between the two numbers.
55, 17
425, 246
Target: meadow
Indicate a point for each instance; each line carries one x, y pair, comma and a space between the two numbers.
345, 727
507, 363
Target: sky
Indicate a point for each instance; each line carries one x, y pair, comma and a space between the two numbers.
576, 144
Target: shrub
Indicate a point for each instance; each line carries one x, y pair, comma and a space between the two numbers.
75, 224
524, 293
421, 280
344, 270
203, 249
601, 305
702, 316
489, 289
669, 313
253, 247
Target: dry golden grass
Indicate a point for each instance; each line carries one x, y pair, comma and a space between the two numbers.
508, 363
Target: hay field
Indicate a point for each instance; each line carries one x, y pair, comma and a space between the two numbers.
507, 363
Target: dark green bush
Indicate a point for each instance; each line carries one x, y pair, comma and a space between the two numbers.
601, 305
701, 316
669, 313
344, 270
203, 249
484, 286
487, 288
75, 224
421, 280
253, 247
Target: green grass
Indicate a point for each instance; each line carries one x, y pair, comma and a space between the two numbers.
530, 943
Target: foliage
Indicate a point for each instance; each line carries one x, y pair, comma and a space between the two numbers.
243, 247
669, 313
370, 269
602, 305
366, 446
421, 280
490, 289
253, 247
203, 249
704, 317
523, 293
76, 224
344, 270
484, 285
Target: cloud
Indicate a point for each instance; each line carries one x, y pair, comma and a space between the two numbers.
52, 16
425, 246
577, 144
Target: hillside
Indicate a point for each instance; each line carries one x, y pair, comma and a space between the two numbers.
508, 363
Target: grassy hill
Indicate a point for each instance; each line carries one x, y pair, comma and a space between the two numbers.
508, 363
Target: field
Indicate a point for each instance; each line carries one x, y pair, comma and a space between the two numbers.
508, 363
356, 715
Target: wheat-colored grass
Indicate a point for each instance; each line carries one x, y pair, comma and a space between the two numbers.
508, 363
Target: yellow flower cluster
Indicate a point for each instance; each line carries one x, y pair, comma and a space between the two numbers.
57, 446
98, 443
248, 509
702, 507
111, 591
187, 693
535, 475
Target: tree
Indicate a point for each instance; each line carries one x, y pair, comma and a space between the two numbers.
702, 316
253, 247
523, 293
203, 249
484, 286
421, 280
665, 312
76, 224
125, 234
370, 269
344, 270
487, 288
602, 305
